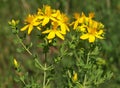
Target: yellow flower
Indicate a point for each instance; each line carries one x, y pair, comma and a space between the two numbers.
79, 19
94, 30
75, 77
31, 21
62, 20
46, 16
15, 63
53, 16
54, 32
63, 24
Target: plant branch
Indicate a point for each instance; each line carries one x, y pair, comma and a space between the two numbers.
23, 45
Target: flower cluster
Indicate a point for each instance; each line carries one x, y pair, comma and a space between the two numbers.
89, 28
53, 23
49, 21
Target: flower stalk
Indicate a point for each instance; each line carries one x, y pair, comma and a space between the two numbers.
44, 79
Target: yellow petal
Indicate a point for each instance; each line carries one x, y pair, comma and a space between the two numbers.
91, 38
36, 23
24, 28
81, 20
45, 32
39, 12
95, 24
82, 28
53, 19
45, 21
30, 29
84, 36
75, 25
101, 25
38, 28
100, 32
100, 37
76, 15
71, 24
51, 35
91, 15
59, 35
47, 9
63, 29
39, 17
67, 28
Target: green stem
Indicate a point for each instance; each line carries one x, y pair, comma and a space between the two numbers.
87, 58
45, 67
24, 45
76, 56
44, 79
45, 57
22, 80
84, 82
85, 77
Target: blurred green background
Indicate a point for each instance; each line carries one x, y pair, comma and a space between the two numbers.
106, 11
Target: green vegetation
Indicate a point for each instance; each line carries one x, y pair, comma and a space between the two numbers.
106, 11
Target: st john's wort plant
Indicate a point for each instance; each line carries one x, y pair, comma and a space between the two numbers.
70, 53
